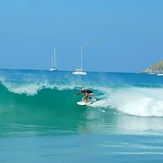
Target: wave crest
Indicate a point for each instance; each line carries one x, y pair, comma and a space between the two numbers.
139, 101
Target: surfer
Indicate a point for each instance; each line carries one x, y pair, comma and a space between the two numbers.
87, 94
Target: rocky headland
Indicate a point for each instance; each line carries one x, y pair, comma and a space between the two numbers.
156, 68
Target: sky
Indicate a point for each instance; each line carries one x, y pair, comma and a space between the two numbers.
116, 35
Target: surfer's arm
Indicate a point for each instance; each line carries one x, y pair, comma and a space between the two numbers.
78, 93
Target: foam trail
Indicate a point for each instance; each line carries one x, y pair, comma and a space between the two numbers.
139, 101
104, 103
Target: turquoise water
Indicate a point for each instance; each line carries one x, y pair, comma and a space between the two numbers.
41, 122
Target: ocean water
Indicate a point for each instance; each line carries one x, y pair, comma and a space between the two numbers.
41, 122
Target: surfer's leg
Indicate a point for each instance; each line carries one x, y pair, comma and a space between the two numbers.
90, 95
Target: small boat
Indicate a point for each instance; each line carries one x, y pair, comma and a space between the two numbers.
79, 71
160, 74
53, 62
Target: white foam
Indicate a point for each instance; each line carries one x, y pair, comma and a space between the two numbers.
33, 87
102, 103
26, 88
139, 101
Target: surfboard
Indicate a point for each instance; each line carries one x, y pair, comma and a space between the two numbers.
84, 103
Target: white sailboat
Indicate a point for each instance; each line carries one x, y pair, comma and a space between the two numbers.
53, 62
159, 74
79, 71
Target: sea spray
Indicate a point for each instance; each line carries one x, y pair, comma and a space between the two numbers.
139, 101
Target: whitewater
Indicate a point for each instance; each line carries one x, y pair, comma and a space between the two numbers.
40, 107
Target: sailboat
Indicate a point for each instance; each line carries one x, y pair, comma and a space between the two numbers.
53, 62
79, 71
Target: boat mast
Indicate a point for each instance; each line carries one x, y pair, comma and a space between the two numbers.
81, 59
54, 59
51, 60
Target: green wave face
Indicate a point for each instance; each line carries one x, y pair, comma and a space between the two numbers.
48, 107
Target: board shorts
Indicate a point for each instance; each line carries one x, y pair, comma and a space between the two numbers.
90, 94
